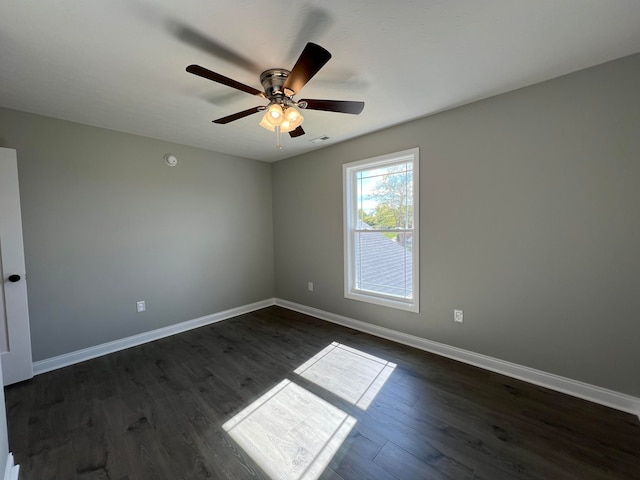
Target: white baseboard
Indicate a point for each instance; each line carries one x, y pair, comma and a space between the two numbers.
12, 470
602, 396
49, 364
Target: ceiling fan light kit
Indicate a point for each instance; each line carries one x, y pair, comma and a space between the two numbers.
280, 85
278, 115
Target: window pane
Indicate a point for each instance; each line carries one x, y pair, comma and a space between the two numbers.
384, 263
385, 197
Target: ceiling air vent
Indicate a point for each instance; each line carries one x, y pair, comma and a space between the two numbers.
319, 139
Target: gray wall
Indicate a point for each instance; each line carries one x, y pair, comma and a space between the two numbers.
530, 222
107, 223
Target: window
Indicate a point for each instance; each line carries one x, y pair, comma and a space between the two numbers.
381, 230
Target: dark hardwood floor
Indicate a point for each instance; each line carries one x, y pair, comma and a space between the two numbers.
156, 412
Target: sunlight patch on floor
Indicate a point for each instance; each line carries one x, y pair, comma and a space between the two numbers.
290, 432
352, 375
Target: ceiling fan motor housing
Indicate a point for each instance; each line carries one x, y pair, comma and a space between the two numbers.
272, 81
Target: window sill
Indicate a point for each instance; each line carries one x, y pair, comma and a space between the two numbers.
409, 306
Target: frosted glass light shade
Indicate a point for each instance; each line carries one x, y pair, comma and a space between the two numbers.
292, 119
272, 117
265, 123
275, 113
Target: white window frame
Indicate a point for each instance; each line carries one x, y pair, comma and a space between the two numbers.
350, 205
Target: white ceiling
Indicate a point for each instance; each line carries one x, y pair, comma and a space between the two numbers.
120, 64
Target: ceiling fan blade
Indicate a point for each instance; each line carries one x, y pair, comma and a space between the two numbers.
314, 22
311, 60
211, 46
216, 77
238, 116
340, 106
296, 133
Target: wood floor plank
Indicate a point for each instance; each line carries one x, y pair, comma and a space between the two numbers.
505, 446
157, 411
394, 459
515, 431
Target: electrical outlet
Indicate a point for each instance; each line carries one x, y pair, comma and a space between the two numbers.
458, 316
310, 286
141, 306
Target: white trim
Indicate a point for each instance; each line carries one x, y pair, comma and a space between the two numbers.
12, 471
602, 396
49, 364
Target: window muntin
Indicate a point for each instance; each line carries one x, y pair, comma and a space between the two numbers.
381, 234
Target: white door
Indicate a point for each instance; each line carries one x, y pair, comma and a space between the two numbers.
15, 336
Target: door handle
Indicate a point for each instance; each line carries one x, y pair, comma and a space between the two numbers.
14, 278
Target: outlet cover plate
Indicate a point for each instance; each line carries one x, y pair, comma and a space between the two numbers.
458, 316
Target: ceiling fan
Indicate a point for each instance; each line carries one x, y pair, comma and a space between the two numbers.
280, 86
